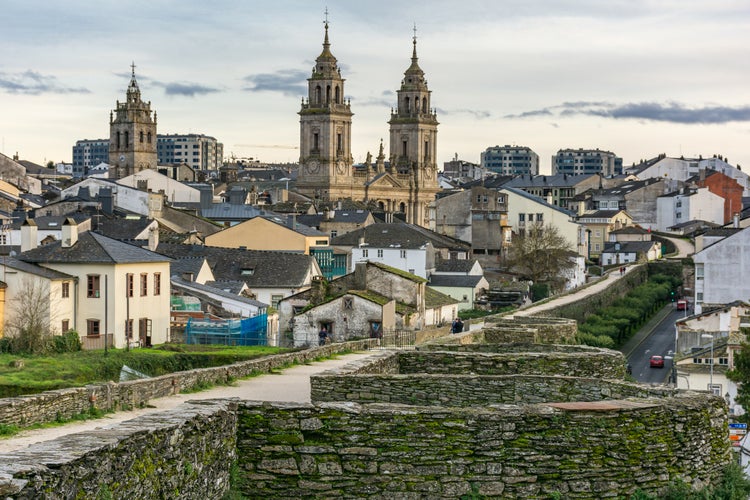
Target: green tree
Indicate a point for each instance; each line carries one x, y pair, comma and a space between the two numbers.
542, 255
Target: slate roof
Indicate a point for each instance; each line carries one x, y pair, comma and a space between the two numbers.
455, 266
629, 230
230, 286
397, 235
722, 231
626, 188
204, 292
269, 269
191, 265
433, 298
454, 280
629, 246
92, 248
292, 223
53, 222
30, 268
600, 214
123, 229
219, 211
537, 199
559, 180
491, 182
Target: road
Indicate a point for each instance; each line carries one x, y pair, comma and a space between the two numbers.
660, 341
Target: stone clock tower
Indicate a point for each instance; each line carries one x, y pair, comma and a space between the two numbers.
132, 134
413, 141
325, 133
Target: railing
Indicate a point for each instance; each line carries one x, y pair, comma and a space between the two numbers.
397, 339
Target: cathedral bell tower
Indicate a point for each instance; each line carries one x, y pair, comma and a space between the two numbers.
413, 140
132, 134
325, 132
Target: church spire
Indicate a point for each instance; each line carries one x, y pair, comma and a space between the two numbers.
133, 93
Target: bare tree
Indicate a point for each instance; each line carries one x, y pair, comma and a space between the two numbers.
28, 323
541, 254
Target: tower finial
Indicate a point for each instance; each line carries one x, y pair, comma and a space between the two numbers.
326, 43
132, 69
414, 41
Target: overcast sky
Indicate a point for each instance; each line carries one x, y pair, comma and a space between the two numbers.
636, 77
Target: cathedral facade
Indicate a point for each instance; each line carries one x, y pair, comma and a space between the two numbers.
407, 183
132, 134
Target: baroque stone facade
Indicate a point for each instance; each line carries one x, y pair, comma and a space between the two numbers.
132, 134
327, 172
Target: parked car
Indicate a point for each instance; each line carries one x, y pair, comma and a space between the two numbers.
657, 362
682, 305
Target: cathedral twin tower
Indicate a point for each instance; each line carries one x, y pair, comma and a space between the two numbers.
327, 172
407, 184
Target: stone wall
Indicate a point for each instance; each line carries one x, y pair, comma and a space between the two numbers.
66, 403
576, 450
183, 453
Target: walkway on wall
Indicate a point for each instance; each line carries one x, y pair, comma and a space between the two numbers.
291, 385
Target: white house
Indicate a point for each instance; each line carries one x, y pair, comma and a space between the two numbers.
409, 258
626, 252
686, 205
123, 290
681, 169
525, 209
175, 191
721, 271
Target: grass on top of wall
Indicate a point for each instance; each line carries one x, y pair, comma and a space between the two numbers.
33, 374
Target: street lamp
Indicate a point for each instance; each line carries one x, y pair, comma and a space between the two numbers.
711, 379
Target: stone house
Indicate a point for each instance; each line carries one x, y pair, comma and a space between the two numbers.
376, 284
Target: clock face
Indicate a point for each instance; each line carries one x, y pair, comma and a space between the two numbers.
122, 158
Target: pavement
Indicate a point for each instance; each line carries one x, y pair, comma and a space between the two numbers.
290, 385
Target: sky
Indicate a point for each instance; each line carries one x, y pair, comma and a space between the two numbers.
635, 77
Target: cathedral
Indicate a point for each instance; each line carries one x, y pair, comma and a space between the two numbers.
132, 134
407, 183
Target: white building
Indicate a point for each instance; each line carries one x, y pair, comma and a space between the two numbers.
686, 205
722, 270
681, 169
525, 210
510, 160
122, 290
175, 191
407, 258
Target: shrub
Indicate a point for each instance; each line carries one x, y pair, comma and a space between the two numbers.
69, 341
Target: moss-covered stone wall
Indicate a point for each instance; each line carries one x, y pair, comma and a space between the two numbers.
184, 453
66, 403
574, 450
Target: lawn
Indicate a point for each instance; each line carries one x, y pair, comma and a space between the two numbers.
43, 373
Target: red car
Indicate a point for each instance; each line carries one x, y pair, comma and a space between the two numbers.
657, 362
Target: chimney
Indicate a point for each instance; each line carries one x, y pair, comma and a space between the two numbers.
736, 220
69, 233
28, 235
153, 238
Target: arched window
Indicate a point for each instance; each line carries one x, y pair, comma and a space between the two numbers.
402, 207
424, 105
118, 139
127, 139
317, 94
407, 105
149, 138
141, 136
338, 95
403, 152
381, 205
328, 94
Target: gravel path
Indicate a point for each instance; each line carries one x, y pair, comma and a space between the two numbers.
291, 385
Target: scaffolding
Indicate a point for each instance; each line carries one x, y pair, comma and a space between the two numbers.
241, 332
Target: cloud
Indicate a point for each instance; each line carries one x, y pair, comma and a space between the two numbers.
290, 82
33, 83
187, 89
671, 112
479, 114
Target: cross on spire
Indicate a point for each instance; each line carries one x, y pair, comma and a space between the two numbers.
415, 32
326, 13
132, 69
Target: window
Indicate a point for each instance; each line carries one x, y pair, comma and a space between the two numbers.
403, 254
699, 296
315, 141
380, 253
530, 217
65, 325
144, 284
539, 217
129, 284
339, 143
334, 233
403, 152
348, 303
275, 299
141, 136
699, 271
92, 286
521, 217
65, 290
129, 329
365, 253
157, 283
92, 327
